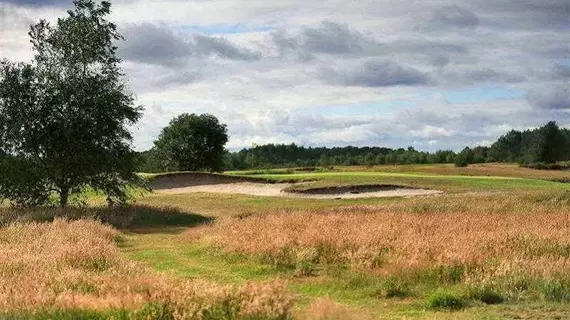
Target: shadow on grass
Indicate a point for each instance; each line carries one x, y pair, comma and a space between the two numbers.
136, 218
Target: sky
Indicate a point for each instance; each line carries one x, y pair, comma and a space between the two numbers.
432, 74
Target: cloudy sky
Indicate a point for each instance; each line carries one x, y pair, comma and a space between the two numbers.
433, 74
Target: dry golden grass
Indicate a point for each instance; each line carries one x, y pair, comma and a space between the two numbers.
327, 309
498, 169
492, 235
481, 169
76, 265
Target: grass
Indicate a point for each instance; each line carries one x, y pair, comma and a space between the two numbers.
447, 183
445, 301
494, 246
446, 177
74, 269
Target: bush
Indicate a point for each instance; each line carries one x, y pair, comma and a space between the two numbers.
486, 295
545, 166
445, 301
461, 162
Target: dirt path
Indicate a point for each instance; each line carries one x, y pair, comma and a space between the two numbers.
276, 190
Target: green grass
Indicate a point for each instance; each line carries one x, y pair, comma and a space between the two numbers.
447, 183
165, 251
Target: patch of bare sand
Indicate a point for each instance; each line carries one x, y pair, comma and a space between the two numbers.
276, 190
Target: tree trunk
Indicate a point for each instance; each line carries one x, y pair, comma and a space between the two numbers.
63, 197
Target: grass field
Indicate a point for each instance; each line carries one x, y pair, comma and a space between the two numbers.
495, 245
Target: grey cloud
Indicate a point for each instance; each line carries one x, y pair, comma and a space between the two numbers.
438, 53
551, 97
327, 38
10, 18
562, 72
543, 14
455, 16
374, 73
474, 76
154, 78
158, 44
153, 44
40, 3
333, 38
449, 18
205, 46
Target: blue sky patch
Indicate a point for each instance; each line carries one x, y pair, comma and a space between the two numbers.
483, 94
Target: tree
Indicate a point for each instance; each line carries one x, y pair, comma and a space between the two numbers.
548, 144
193, 142
370, 159
148, 161
464, 158
325, 161
508, 147
64, 117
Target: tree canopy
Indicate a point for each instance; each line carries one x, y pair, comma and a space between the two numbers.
192, 142
64, 117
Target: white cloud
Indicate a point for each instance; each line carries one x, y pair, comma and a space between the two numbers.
429, 131
336, 72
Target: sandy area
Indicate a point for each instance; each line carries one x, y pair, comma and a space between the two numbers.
276, 190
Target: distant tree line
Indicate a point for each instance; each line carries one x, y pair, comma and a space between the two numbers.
545, 145
271, 156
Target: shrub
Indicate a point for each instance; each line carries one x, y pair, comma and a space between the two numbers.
461, 162
445, 301
545, 166
486, 295
555, 291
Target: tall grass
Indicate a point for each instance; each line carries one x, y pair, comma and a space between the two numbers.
75, 265
465, 241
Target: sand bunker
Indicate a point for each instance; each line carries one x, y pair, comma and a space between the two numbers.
184, 183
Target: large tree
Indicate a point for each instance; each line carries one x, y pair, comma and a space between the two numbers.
192, 142
64, 117
547, 144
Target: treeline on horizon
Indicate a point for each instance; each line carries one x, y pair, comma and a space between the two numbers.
538, 148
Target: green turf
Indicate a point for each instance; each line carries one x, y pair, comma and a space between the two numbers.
447, 183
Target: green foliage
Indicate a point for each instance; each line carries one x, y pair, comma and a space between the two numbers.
394, 288
555, 291
22, 182
441, 300
275, 156
546, 166
325, 161
64, 117
485, 295
464, 158
547, 144
148, 161
192, 142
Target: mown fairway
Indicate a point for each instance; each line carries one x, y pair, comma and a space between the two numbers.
490, 247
